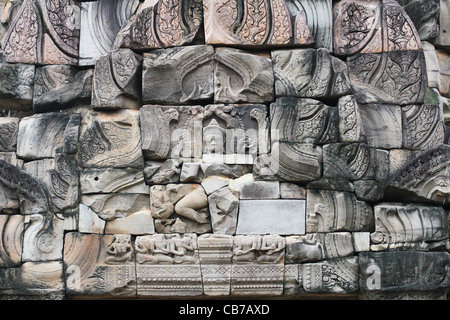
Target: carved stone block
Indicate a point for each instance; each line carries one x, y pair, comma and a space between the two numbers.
110, 140
331, 211
168, 265
258, 265
43, 238
319, 18
290, 161
11, 231
117, 80
16, 86
234, 134
394, 275
396, 77
350, 122
162, 24
283, 216
59, 87
254, 23
99, 265
224, 208
9, 128
180, 75
127, 180
215, 253
309, 73
423, 127
303, 121
124, 213
413, 227
292, 191
355, 161
180, 208
44, 32
424, 15
371, 27
240, 76
424, 177
43, 135
338, 276
100, 23
171, 132
318, 246
157, 172
361, 241
443, 38
369, 190
444, 71
89, 221
33, 280
382, 126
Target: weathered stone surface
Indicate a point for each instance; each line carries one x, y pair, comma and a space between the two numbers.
110, 140
43, 238
99, 265
292, 191
180, 208
11, 231
319, 18
171, 132
162, 24
89, 221
43, 135
408, 227
355, 161
224, 208
443, 38
444, 72
233, 23
9, 128
395, 274
124, 213
395, 77
369, 190
290, 161
399, 157
309, 73
425, 16
33, 280
331, 211
16, 86
100, 23
127, 180
258, 265
336, 184
331, 276
44, 32
235, 134
361, 241
318, 246
157, 172
423, 127
58, 87
214, 183
424, 177
168, 265
241, 76
350, 122
382, 125
117, 80
215, 253
180, 75
303, 121
249, 189
282, 217
371, 27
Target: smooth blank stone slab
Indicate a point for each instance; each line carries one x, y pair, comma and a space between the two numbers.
271, 216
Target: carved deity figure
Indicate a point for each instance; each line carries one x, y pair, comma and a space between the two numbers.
120, 249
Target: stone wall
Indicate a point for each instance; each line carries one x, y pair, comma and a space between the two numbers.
224, 148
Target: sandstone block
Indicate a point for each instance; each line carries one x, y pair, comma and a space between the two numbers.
9, 128
16, 86
11, 231
224, 209
127, 180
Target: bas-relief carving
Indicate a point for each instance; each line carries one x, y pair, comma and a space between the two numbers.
254, 23
180, 75
180, 208
117, 80
115, 180
224, 208
409, 227
257, 265
110, 140
168, 265
44, 32
16, 86
11, 241
168, 23
99, 264
9, 128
